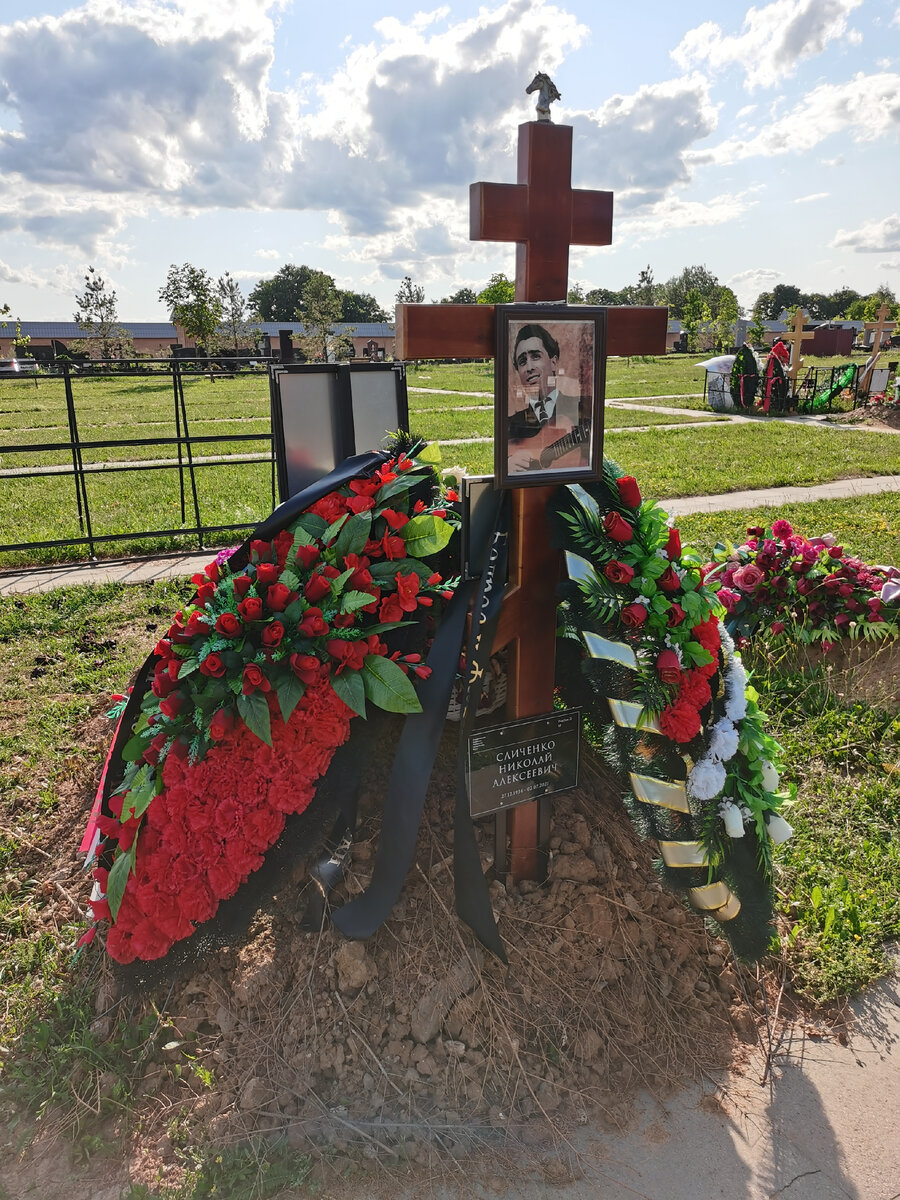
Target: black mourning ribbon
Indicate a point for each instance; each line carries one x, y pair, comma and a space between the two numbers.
416, 753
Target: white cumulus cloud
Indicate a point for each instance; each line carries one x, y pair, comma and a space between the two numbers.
772, 41
874, 237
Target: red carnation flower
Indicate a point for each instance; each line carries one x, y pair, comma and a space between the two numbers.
617, 527
629, 492
680, 722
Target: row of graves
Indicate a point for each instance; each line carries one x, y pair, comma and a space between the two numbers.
778, 384
288, 738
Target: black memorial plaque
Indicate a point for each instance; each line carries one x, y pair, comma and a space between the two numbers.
523, 760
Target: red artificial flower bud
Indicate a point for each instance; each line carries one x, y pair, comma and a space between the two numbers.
617, 527
675, 615
452, 495
228, 625
213, 666
673, 545
197, 624
307, 555
313, 623
629, 492
618, 572
360, 504
253, 678
272, 634
305, 667
633, 615
212, 571
170, 706
278, 597
222, 723
163, 649
778, 627
668, 667
317, 588
251, 609
396, 520
205, 593
669, 581
267, 573
242, 585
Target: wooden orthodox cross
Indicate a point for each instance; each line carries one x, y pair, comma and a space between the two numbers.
794, 340
882, 326
543, 215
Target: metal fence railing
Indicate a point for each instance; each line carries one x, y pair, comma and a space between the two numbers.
186, 461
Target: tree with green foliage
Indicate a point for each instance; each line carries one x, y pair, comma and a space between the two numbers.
360, 306
409, 292
605, 297
725, 316
645, 292
278, 298
321, 311
240, 330
694, 312
463, 295
756, 331
193, 300
696, 278
499, 290
576, 294
96, 314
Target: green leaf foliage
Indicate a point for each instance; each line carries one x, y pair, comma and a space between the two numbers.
354, 535
349, 686
387, 685
290, 691
426, 535
118, 878
254, 712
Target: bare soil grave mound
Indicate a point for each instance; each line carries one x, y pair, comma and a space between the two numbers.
416, 1043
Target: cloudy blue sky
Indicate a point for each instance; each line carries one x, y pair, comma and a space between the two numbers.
243, 134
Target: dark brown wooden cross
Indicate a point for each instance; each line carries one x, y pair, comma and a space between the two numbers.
543, 215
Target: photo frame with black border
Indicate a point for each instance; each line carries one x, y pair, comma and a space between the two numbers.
549, 385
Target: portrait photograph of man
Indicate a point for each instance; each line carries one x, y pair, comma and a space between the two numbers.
551, 385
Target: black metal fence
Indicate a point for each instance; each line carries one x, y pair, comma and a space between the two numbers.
184, 461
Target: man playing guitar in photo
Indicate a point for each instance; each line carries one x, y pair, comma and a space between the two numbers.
551, 429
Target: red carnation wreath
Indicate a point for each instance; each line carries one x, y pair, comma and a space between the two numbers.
253, 689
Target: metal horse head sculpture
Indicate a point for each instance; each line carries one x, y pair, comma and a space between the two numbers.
547, 93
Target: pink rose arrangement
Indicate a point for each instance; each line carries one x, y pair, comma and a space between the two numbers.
781, 585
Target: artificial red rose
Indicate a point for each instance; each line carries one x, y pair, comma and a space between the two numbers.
272, 634
205, 593
680, 722
228, 625
281, 545
669, 581
390, 610
213, 666
618, 572
313, 624
212, 571
251, 608
305, 667
364, 487
259, 550
835, 551
729, 598
668, 667
329, 508
170, 706
278, 597
344, 620
197, 624
242, 585
348, 654
221, 724
407, 591
163, 650
629, 492
756, 531
359, 504
163, 683
307, 555
393, 547
254, 679
396, 520
748, 578
452, 495
633, 615
675, 615
617, 527
267, 573
778, 627
317, 588
673, 545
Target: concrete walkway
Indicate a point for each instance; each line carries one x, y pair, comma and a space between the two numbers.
28, 580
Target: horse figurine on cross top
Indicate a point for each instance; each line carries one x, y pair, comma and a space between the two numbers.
547, 93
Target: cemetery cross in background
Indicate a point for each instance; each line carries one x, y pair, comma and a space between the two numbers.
543, 215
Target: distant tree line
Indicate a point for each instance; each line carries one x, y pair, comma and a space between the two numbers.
844, 304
